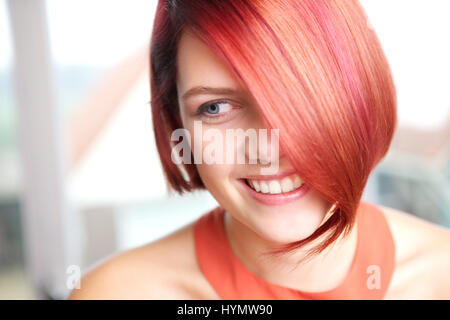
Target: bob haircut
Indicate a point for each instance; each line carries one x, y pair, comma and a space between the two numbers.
314, 67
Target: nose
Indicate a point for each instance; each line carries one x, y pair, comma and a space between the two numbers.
265, 150
268, 146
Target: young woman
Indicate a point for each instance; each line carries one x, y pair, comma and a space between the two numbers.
314, 70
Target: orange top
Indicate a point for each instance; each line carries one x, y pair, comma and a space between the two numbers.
368, 278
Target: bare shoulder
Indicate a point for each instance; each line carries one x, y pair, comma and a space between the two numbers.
164, 269
422, 256
418, 233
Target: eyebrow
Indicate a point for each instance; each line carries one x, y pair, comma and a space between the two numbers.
203, 90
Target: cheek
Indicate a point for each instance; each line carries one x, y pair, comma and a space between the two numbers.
216, 178
219, 182
210, 150
213, 175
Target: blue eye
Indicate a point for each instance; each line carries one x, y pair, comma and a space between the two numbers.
215, 108
217, 111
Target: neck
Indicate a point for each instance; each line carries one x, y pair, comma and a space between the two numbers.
292, 270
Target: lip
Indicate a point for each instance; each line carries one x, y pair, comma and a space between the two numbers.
276, 199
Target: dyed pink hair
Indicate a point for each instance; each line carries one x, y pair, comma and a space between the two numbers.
315, 69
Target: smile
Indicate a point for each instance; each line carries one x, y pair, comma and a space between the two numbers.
276, 186
275, 190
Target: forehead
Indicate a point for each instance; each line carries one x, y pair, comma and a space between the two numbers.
198, 65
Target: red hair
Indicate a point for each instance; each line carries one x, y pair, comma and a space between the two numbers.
315, 69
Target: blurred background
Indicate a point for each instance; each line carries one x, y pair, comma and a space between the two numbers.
80, 178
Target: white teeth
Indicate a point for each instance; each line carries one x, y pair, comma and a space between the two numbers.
274, 187
297, 182
264, 187
256, 186
287, 184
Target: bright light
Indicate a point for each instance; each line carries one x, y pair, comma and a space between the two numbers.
414, 35
5, 44
100, 32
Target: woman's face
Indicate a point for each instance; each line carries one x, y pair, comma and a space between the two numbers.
273, 206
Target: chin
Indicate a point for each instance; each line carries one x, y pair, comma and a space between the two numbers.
286, 226
278, 224
281, 216
283, 224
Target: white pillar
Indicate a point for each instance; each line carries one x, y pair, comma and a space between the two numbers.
46, 218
